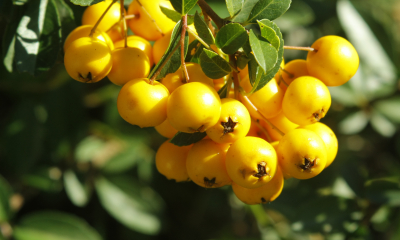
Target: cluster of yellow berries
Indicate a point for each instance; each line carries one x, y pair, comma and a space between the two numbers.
254, 140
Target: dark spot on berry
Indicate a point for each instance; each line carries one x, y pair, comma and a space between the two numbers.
263, 200
228, 126
209, 182
307, 164
262, 171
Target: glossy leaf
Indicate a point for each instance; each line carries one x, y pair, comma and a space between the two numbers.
38, 37
264, 53
234, 6
85, 2
77, 191
173, 53
183, 6
268, 9
271, 73
244, 13
231, 37
49, 225
213, 65
123, 201
185, 139
202, 29
175, 16
269, 34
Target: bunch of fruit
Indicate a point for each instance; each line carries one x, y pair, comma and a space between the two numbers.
232, 115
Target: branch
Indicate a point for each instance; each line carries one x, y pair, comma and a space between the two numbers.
309, 49
208, 10
184, 27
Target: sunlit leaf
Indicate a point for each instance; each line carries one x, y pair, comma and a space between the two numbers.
268, 9
213, 65
77, 190
183, 6
354, 123
234, 6
123, 201
382, 125
38, 37
264, 53
202, 29
231, 37
53, 226
175, 16
269, 34
244, 13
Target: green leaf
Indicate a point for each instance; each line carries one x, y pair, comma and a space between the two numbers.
5, 195
175, 16
242, 61
183, 6
185, 139
50, 225
173, 53
389, 108
234, 6
269, 34
271, 73
354, 123
85, 2
38, 37
243, 15
252, 67
231, 37
136, 152
265, 54
213, 65
384, 191
202, 29
123, 200
77, 190
382, 125
88, 148
45, 179
268, 9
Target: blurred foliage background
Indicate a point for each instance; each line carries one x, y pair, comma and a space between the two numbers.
72, 168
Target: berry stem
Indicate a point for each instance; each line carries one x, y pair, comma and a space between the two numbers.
207, 11
235, 76
255, 121
255, 109
130, 16
183, 33
151, 18
309, 49
125, 28
198, 38
101, 18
